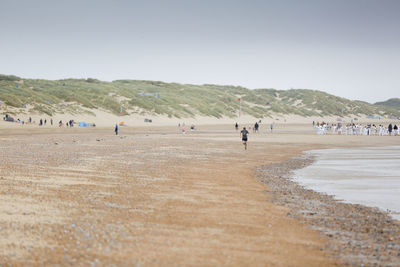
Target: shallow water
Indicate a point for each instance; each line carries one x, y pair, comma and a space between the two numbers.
368, 176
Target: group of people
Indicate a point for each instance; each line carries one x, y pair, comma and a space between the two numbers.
183, 127
244, 132
69, 123
357, 129
255, 127
42, 122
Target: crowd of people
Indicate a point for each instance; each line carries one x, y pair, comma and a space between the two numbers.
357, 129
41, 122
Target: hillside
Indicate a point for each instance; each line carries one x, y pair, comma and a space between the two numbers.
392, 102
175, 100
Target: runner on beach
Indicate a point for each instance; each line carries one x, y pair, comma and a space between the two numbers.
244, 134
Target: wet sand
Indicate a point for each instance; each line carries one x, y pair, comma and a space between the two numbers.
358, 235
366, 176
154, 197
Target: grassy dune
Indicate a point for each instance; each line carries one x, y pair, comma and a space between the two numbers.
176, 100
392, 102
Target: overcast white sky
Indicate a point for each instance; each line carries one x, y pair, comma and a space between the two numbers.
349, 48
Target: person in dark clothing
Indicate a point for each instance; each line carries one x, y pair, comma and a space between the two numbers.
256, 127
244, 133
390, 129
236, 127
116, 129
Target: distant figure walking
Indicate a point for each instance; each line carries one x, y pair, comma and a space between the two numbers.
272, 127
256, 127
237, 127
244, 134
116, 129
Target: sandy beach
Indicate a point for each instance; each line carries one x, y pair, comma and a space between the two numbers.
152, 196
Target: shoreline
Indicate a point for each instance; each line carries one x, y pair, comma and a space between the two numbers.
355, 234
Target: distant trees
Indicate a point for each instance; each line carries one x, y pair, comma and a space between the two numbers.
9, 78
91, 80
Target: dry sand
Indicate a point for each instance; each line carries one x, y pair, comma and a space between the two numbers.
154, 197
103, 118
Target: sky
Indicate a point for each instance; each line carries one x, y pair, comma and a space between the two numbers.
349, 48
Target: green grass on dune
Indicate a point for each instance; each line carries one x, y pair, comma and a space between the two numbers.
392, 102
177, 100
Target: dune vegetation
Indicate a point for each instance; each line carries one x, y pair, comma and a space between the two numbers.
128, 97
392, 102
